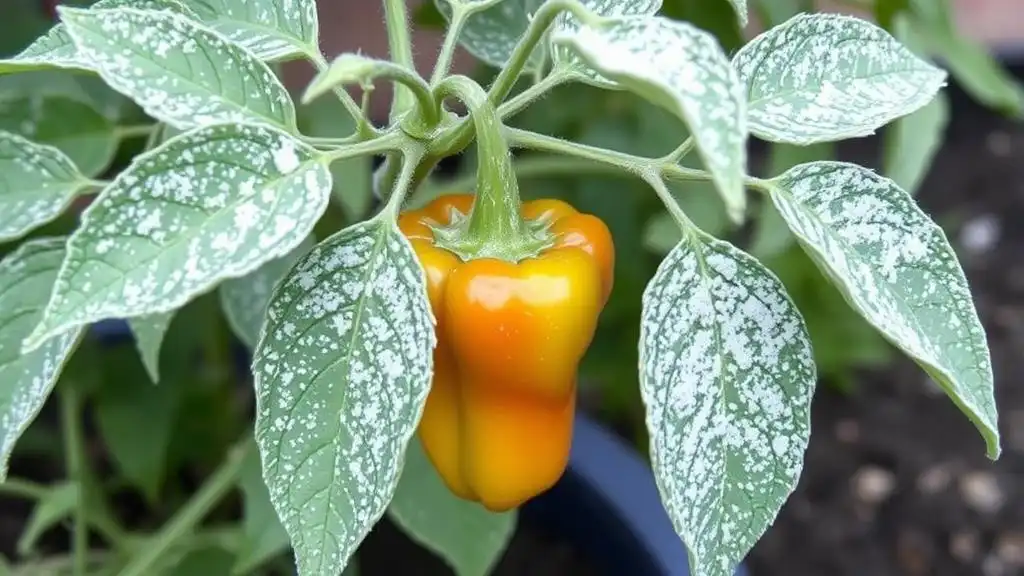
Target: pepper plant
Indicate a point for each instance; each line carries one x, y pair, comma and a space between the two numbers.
464, 316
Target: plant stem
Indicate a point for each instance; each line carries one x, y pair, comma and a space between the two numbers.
364, 128
410, 158
134, 131
74, 454
400, 46
185, 521
520, 101
680, 151
23, 489
655, 181
451, 39
537, 166
388, 141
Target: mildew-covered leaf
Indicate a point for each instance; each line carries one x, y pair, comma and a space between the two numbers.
210, 204
55, 49
245, 299
470, 538
342, 371
726, 376
896, 268
741, 11
683, 69
74, 127
37, 183
829, 77
149, 332
179, 71
263, 536
274, 30
26, 278
566, 23
491, 34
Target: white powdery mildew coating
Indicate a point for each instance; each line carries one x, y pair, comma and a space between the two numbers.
179, 71
273, 30
683, 69
821, 78
492, 35
741, 11
37, 183
899, 271
26, 278
341, 374
567, 24
56, 48
207, 205
245, 299
727, 376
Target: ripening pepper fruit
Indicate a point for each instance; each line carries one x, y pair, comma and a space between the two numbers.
497, 424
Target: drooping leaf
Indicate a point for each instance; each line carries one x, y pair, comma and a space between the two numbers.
26, 277
55, 49
829, 77
37, 183
567, 24
741, 11
179, 71
56, 504
726, 376
470, 538
683, 69
245, 299
894, 266
149, 331
263, 536
210, 204
342, 372
274, 30
75, 128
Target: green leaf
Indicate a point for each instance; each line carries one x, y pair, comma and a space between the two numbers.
567, 24
327, 118
726, 375
179, 71
683, 69
245, 299
263, 536
271, 29
828, 77
491, 34
341, 374
55, 49
75, 128
210, 204
772, 235
896, 268
37, 183
26, 277
138, 421
741, 11
912, 142
53, 507
347, 68
149, 331
466, 535
208, 560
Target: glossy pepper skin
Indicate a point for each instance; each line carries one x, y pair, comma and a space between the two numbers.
497, 424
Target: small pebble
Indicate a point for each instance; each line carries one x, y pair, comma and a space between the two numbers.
980, 234
964, 545
934, 480
848, 431
872, 484
1010, 549
999, 143
981, 491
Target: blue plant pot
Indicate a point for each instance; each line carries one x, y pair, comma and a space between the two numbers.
606, 504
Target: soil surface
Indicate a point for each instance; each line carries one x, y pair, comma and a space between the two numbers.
896, 481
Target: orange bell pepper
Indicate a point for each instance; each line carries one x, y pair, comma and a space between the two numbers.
497, 424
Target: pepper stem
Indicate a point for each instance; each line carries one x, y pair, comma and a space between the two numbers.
496, 227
